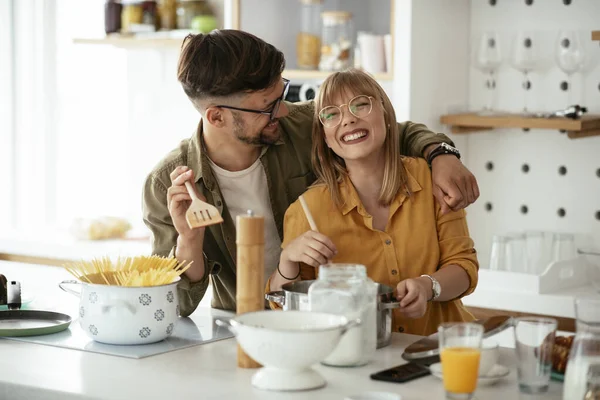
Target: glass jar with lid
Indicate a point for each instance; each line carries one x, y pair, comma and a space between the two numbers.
345, 289
196, 15
337, 40
167, 12
308, 40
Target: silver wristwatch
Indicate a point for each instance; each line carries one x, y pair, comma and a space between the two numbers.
436, 288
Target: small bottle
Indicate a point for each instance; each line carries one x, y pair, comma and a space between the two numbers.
112, 16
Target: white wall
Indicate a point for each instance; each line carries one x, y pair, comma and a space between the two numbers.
542, 190
6, 117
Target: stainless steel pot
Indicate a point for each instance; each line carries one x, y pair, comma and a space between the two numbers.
294, 296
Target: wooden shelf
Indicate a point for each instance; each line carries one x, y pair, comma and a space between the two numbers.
313, 74
148, 42
131, 42
596, 35
588, 125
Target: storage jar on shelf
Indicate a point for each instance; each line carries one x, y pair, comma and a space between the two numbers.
308, 40
196, 15
337, 41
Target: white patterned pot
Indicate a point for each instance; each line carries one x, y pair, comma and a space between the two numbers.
126, 315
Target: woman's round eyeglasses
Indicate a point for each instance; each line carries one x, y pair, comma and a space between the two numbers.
359, 106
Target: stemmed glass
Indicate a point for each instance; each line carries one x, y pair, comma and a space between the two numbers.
525, 58
487, 59
570, 57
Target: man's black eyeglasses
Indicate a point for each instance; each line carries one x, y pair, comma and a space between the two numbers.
273, 113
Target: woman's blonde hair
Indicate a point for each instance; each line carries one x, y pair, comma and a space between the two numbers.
328, 166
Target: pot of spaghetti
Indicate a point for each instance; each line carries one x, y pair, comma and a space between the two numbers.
127, 301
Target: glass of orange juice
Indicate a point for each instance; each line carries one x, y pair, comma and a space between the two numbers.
460, 350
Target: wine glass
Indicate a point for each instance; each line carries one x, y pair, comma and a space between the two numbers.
525, 58
570, 57
487, 59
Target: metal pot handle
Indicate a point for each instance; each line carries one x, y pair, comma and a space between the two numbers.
63, 286
388, 305
277, 297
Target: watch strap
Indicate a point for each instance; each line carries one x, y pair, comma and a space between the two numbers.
443, 148
436, 289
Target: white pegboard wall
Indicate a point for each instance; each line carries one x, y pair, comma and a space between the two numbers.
529, 178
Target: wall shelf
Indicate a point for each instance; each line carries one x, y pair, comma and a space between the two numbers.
149, 42
588, 125
596, 35
132, 42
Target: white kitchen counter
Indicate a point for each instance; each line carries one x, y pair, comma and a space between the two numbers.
30, 371
54, 247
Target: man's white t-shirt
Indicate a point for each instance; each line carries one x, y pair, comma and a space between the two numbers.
248, 190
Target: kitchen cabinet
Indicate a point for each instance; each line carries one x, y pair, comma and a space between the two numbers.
275, 21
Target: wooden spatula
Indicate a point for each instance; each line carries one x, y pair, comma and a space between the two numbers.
200, 213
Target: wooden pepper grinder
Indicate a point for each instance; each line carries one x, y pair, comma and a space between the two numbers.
250, 291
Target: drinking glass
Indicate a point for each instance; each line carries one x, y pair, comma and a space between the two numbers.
525, 58
538, 245
498, 253
460, 351
516, 253
534, 338
487, 59
570, 57
563, 247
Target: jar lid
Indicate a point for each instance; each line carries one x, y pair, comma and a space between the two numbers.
338, 16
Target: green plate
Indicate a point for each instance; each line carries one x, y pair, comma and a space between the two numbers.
557, 376
32, 322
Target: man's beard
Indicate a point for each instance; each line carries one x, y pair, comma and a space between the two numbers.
260, 140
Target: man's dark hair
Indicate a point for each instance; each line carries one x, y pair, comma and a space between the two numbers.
226, 62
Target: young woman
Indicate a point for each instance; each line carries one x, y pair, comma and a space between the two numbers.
377, 208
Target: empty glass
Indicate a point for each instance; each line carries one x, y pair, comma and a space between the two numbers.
570, 57
534, 338
563, 247
517, 253
508, 253
538, 244
525, 58
498, 253
592, 262
487, 59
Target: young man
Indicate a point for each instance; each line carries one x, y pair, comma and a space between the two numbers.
252, 150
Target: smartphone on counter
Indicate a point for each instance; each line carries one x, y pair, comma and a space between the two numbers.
13, 295
401, 373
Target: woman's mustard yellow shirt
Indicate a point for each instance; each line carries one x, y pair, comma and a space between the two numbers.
418, 240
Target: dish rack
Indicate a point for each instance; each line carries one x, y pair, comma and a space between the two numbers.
558, 276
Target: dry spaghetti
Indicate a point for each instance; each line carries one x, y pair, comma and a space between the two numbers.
129, 271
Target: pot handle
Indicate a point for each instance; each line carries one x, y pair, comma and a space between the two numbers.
388, 305
63, 284
277, 297
225, 323
109, 305
349, 325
